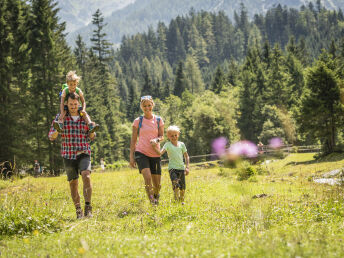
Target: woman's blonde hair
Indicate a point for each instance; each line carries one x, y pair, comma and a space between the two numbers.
173, 128
72, 76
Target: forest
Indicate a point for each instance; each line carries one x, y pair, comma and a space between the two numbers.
277, 75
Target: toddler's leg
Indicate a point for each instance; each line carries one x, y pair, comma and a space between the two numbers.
181, 195
62, 116
176, 193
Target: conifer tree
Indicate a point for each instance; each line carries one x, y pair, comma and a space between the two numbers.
193, 75
180, 83
50, 59
219, 81
321, 112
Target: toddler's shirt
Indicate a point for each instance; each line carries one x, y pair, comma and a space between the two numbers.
175, 155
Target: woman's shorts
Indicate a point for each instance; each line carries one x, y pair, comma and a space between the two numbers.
178, 178
74, 167
144, 161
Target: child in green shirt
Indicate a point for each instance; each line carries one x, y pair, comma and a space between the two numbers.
175, 151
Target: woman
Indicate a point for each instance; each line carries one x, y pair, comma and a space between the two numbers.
149, 128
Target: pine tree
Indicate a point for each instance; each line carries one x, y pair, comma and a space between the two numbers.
321, 112
15, 80
193, 75
50, 58
180, 83
219, 81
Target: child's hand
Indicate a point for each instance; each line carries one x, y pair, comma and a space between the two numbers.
186, 171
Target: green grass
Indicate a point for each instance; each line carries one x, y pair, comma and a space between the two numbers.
220, 217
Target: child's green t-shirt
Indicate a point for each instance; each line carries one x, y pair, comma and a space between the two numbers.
175, 155
65, 87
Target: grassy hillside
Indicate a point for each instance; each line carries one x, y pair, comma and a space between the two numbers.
220, 218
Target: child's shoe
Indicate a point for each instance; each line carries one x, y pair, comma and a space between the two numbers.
93, 128
58, 126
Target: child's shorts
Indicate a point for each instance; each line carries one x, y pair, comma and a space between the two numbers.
178, 178
144, 161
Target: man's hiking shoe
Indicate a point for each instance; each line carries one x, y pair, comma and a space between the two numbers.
79, 214
58, 126
93, 128
88, 211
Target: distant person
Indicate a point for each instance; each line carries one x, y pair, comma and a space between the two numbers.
260, 148
102, 164
36, 168
148, 128
6, 169
176, 150
72, 81
76, 153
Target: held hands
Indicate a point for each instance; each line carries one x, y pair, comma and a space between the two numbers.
154, 142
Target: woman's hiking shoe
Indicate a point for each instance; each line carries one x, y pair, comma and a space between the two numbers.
58, 126
79, 213
93, 128
152, 200
156, 197
88, 211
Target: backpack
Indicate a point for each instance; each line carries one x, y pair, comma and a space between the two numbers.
140, 123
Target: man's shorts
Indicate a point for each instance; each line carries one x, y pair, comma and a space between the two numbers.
144, 161
74, 167
177, 178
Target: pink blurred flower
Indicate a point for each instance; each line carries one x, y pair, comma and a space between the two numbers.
275, 143
219, 146
243, 148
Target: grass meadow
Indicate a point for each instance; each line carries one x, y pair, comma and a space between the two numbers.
221, 217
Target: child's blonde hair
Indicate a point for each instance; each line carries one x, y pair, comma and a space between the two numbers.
173, 128
72, 76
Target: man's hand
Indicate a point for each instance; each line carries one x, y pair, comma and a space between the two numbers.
186, 171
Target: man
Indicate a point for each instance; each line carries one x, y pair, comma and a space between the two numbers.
76, 153
36, 168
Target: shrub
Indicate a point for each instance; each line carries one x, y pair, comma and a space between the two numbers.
246, 171
223, 172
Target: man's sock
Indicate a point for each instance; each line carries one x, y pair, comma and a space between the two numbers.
87, 203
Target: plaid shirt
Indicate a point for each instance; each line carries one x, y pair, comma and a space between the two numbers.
75, 138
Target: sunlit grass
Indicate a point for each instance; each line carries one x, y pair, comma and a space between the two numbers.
220, 217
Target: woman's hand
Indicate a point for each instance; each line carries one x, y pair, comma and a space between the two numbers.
132, 162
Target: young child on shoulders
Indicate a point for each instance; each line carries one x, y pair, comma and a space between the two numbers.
72, 81
176, 167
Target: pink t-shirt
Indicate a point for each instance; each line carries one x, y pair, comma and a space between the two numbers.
148, 131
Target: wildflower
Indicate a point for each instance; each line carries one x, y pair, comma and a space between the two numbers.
275, 143
219, 146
